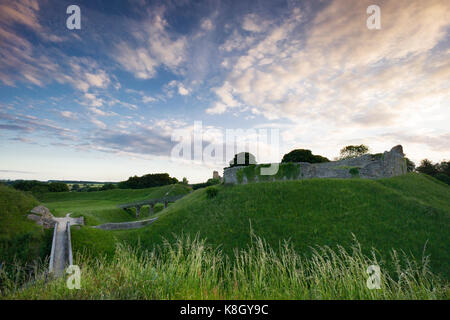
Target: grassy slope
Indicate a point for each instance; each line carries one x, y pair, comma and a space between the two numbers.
101, 206
19, 237
403, 213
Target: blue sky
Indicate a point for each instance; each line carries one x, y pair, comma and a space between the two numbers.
102, 102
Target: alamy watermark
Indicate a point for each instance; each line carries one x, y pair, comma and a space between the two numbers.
374, 20
217, 146
74, 20
74, 278
374, 280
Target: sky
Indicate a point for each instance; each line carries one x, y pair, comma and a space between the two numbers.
116, 97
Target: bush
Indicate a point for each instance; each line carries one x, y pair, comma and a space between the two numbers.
354, 172
303, 155
410, 166
211, 192
210, 182
243, 159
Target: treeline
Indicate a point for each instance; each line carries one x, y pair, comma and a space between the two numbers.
147, 181
39, 187
440, 171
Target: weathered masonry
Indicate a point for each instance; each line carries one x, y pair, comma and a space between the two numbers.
388, 164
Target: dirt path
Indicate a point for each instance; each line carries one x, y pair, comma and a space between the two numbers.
125, 225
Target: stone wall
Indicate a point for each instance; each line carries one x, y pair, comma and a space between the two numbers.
389, 164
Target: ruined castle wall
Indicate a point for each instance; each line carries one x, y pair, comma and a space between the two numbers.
368, 166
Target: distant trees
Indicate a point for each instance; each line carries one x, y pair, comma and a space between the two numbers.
108, 186
185, 181
147, 181
440, 171
57, 187
353, 151
38, 187
28, 185
303, 155
75, 187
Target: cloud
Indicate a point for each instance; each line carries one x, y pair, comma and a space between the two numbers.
68, 115
207, 25
253, 23
19, 122
182, 90
21, 61
98, 123
152, 46
436, 142
337, 70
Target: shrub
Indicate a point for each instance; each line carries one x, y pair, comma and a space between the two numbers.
243, 159
211, 192
410, 166
354, 172
303, 155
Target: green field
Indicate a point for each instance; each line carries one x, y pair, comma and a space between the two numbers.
101, 206
400, 222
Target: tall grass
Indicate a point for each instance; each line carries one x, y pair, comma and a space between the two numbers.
189, 269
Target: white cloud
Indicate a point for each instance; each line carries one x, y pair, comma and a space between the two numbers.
152, 46
98, 123
254, 23
69, 115
182, 90
207, 25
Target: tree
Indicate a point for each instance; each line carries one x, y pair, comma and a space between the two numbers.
444, 167
108, 186
303, 155
27, 185
440, 171
58, 187
75, 187
410, 166
243, 159
185, 180
147, 181
353, 151
427, 167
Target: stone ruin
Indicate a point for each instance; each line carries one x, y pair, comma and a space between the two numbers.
42, 216
369, 166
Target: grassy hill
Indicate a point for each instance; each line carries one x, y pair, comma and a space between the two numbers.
20, 238
101, 206
405, 213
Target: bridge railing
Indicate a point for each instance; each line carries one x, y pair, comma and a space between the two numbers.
150, 201
52, 253
69, 245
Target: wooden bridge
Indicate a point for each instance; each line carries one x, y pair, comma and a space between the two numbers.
150, 203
